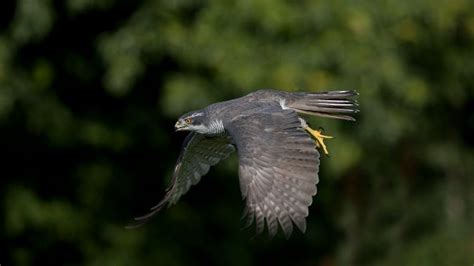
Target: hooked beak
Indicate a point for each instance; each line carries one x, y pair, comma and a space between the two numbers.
179, 126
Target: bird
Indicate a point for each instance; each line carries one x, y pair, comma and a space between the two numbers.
277, 152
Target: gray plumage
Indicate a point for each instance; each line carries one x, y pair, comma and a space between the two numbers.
278, 159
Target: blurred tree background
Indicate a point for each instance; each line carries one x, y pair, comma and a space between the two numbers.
90, 91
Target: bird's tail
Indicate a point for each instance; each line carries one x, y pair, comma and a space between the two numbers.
333, 104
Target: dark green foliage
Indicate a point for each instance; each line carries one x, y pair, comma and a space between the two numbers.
90, 90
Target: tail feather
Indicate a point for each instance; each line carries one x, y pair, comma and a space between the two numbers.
332, 104
329, 94
339, 103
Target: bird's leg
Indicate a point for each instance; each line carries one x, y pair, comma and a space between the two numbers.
317, 134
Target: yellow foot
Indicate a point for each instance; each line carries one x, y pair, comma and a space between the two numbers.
319, 138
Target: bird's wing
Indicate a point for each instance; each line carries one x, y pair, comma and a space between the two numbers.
197, 155
278, 168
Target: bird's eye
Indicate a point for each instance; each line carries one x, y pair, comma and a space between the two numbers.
188, 120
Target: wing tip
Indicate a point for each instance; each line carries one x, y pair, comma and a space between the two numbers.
141, 220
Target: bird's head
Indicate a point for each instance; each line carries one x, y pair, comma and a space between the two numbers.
192, 121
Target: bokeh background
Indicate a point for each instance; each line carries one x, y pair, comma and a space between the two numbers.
90, 91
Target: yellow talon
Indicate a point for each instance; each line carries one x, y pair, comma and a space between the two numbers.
319, 138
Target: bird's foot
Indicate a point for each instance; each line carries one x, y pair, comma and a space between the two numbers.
317, 134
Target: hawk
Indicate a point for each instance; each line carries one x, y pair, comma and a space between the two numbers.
276, 148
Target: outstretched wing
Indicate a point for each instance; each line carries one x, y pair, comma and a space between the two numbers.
197, 155
278, 168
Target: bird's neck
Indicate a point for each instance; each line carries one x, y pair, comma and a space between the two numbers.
216, 127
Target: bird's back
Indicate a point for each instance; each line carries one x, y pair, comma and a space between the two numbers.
250, 103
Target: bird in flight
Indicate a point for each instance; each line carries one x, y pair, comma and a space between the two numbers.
276, 148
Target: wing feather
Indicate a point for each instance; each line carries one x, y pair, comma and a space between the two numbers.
278, 168
197, 155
